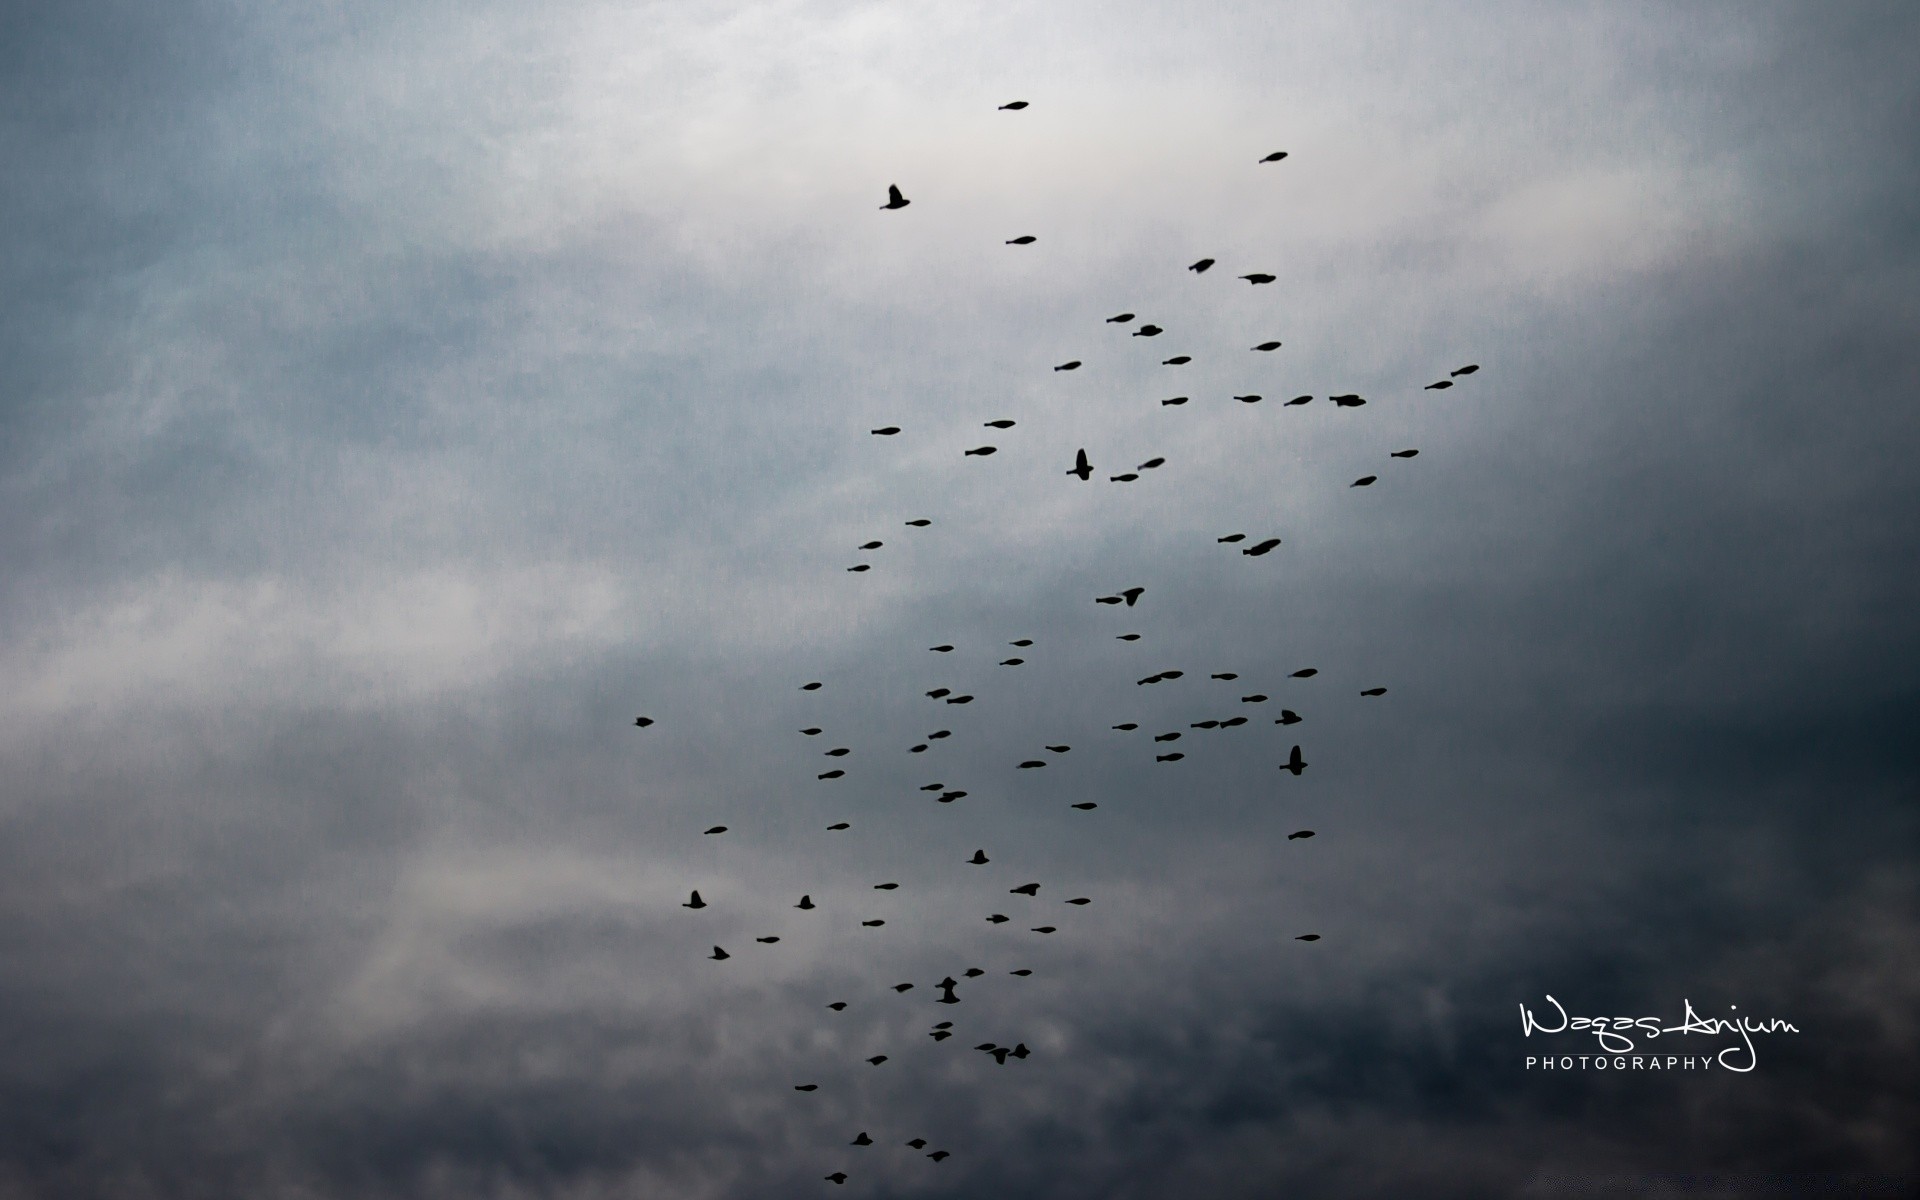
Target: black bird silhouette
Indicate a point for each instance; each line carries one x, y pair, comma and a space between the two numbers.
1251, 398
1228, 675
949, 1024
973, 972
696, 902
642, 722
1082, 467
806, 901
768, 940
1232, 722
718, 829
1108, 600
877, 1059
998, 919
840, 825
1294, 763
1175, 402
937, 734
811, 687
875, 924
885, 431
838, 1005
1374, 692
833, 774
1364, 481
1132, 594
1176, 756
937, 1155
885, 887
1166, 737
1023, 643
941, 649
1258, 277
861, 567
1469, 369
1080, 900
1022, 972
1012, 662
1268, 346
946, 987
982, 451
1201, 266
936, 693
902, 987
1044, 929
1148, 331
894, 198
979, 858
1120, 319
808, 1087
1232, 537
920, 523
1177, 360
1297, 834
1003, 423
1069, 366
1129, 477
838, 752
1020, 1050
1349, 400
836, 1177
1023, 240
1151, 464
1441, 386
1025, 889
1403, 454
1305, 673
1276, 156
933, 787
918, 1143
1085, 804
1128, 727
719, 954
1016, 106
1256, 698
1000, 1054
873, 545
1299, 400
1308, 937
861, 1139
959, 699
1059, 749
1208, 724
949, 797
1171, 674
1126, 637
1288, 717
1262, 548
1032, 763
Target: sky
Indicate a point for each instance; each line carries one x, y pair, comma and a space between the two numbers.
397, 400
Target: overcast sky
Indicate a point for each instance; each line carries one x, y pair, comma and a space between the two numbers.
398, 399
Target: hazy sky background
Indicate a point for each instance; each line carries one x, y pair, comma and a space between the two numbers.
397, 399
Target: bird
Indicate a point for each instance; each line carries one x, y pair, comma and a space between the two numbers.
1403, 454
1294, 764
1308, 937
998, 919
1364, 481
919, 749
1440, 386
946, 989
885, 431
877, 1059
1148, 331
933, 787
813, 732
1268, 346
1080, 900
1022, 972
1256, 698
1082, 467
718, 829
838, 752
936, 693
873, 545
894, 198
1374, 691
1020, 1050
1305, 673
1174, 757
1228, 675
1069, 366
1276, 156
950, 797
982, 451
1298, 400
1166, 737
1151, 464
920, 523
1200, 267
937, 734
1044, 929
1025, 889
806, 902
940, 1035
1120, 319
885, 887
973, 972
1012, 662
1171, 674
719, 954
943, 648
808, 1087
937, 1155
1003, 423
861, 1139
838, 1005
838, 826
1297, 834
1231, 538
1023, 643
1059, 749
1000, 1054
696, 902
1349, 400
1174, 403
768, 940
1023, 240
1251, 398
642, 722
811, 687
873, 924
949, 1024
1085, 805
1016, 106
1108, 600
1232, 722
1126, 637
1148, 679
959, 699
1262, 548
861, 567
902, 987
836, 773
918, 1143
1258, 277
1469, 369
1132, 594
836, 1177
1177, 360
1129, 477
1288, 717
1208, 724
1128, 727
979, 858
1032, 763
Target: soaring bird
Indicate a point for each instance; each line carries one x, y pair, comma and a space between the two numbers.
1108, 600
894, 198
1064, 749
1045, 929
1268, 346
1251, 398
1000, 424
861, 1139
1207, 724
1128, 727
1011, 662
836, 773
838, 1006
973, 972
1176, 402
1305, 673
1364, 481
1231, 538
1403, 454
918, 1143
1166, 737
808, 1087
1350, 400
1085, 804
886, 887
1176, 756
642, 722
836, 1177
937, 734
861, 567
696, 902
998, 919
874, 924
902, 987
1151, 464
1297, 834
1276, 156
920, 523
1120, 319
838, 752
982, 451
1201, 266
811, 687
1031, 763
1022, 972
1127, 477
806, 901
1080, 900
937, 1155
959, 699
1298, 400
932, 787
949, 797
885, 431
1469, 369
877, 1059
1258, 277
979, 858
1288, 717
1148, 331
1126, 637
1294, 763
1262, 548
718, 829
1228, 675
1069, 366
838, 826
768, 940
1233, 722
1025, 889
1132, 594
936, 693
1177, 360
872, 545
1023, 643
1023, 240
1308, 937
943, 648
1082, 467
1440, 386
1016, 106
1377, 691
1256, 698
719, 954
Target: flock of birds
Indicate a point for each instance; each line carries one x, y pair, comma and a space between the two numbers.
1082, 469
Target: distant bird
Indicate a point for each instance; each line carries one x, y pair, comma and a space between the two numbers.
979, 858
1231, 722
959, 699
937, 734
719, 955
919, 749
838, 752
1258, 278
840, 825
894, 198
1032, 763
1364, 481
1276, 156
1120, 319
1085, 804
982, 451
1250, 398
1174, 757
936, 693
861, 1139
1441, 386
1020, 1050
902, 987
1016, 106
1374, 692
946, 989
1231, 538
1207, 724
1069, 366
696, 902
1298, 400
1175, 402
1108, 600
1297, 834
1201, 266
1128, 727
808, 1087
1128, 477
1132, 594
874, 924
1059, 749
838, 1005
1171, 674
1403, 454
768, 940
941, 649
837, 1176
811, 687
1349, 400
1305, 673
1148, 679
1126, 637
1294, 764
1469, 369
1022, 972
886, 887
1151, 464
1288, 717
1148, 331
718, 829
1012, 662
973, 972
1024, 240
885, 431
642, 722
918, 1143
1256, 698
1177, 360
806, 902
1268, 346
920, 523
1000, 1054
861, 567
1308, 937
1023, 643
1025, 889
1262, 548
1003, 423
1166, 737
1080, 900
937, 1155
998, 919
833, 774
873, 545
1228, 675
1045, 929
877, 1059
950, 797
933, 787
1082, 467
